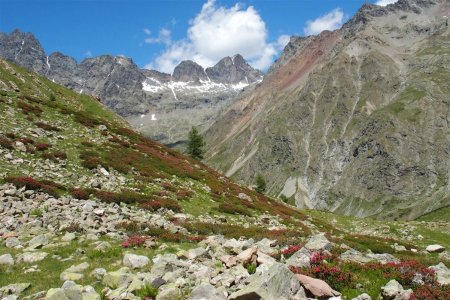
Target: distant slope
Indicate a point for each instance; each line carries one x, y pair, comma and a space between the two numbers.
62, 142
353, 121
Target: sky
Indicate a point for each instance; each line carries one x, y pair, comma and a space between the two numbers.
158, 34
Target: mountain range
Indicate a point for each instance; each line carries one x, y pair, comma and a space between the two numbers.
162, 106
355, 121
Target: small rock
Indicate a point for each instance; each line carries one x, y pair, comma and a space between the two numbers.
14, 289
6, 259
69, 236
435, 248
135, 261
98, 273
362, 297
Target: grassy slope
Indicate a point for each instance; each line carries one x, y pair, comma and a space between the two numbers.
153, 171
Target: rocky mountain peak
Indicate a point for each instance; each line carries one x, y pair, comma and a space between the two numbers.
24, 47
189, 71
233, 70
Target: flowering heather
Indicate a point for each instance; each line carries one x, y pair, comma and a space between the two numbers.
134, 241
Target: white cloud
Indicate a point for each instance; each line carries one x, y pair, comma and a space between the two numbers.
88, 53
147, 31
164, 37
218, 31
385, 2
331, 21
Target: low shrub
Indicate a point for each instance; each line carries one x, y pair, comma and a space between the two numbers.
130, 226
85, 120
42, 146
29, 109
73, 227
251, 268
234, 209
289, 251
147, 292
5, 142
154, 205
60, 154
80, 194
30, 183
168, 186
47, 127
91, 162
184, 194
134, 241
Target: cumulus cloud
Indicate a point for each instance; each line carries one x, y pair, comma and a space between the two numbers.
331, 21
164, 37
218, 31
385, 2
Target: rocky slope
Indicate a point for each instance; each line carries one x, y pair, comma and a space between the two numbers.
92, 210
161, 106
353, 121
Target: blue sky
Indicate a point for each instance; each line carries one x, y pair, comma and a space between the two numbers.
158, 34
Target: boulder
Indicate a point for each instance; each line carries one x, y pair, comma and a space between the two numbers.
169, 292
394, 291
317, 287
13, 289
12, 242
277, 283
69, 236
119, 278
98, 273
300, 259
135, 261
31, 257
6, 260
435, 248
355, 256
318, 242
195, 253
206, 291
56, 294
38, 242
442, 273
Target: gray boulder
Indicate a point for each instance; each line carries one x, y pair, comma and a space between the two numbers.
206, 291
394, 291
277, 283
318, 242
135, 261
442, 273
6, 259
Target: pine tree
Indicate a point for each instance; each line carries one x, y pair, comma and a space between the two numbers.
260, 184
195, 144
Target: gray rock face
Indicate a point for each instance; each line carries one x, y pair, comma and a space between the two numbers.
6, 259
24, 48
189, 71
233, 70
135, 261
394, 291
277, 283
205, 291
442, 273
